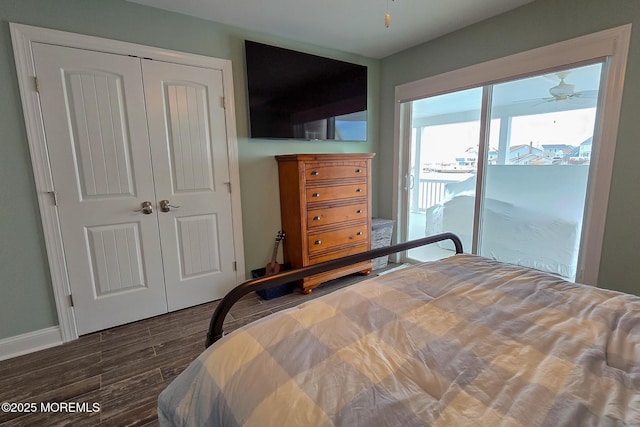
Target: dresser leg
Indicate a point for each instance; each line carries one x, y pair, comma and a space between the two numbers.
364, 272
306, 291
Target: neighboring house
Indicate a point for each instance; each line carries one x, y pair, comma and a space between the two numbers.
585, 148
530, 159
468, 160
524, 154
557, 151
581, 153
470, 157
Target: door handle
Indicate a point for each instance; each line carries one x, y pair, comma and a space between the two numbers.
146, 208
408, 182
165, 206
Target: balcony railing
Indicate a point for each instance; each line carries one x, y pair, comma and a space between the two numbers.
430, 192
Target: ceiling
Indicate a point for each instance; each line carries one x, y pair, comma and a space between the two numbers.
355, 26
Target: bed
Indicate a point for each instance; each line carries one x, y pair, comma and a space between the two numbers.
462, 341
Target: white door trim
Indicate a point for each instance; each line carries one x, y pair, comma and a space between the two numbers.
612, 46
22, 37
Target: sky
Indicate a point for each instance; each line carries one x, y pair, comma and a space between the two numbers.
443, 143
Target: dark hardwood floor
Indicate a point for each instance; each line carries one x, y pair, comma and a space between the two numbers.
125, 368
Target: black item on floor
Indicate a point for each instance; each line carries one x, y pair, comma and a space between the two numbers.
274, 292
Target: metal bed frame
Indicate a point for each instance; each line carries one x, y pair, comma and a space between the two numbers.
217, 320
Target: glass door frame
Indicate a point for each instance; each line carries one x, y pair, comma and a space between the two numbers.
609, 47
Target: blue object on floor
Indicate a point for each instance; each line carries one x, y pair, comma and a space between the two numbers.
274, 292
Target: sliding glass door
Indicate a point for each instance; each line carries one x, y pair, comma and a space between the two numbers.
505, 166
444, 149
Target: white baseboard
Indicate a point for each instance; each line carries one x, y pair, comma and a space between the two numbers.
30, 342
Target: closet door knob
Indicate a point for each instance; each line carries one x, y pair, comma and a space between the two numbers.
146, 208
165, 206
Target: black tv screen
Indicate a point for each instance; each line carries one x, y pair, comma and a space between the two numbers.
295, 95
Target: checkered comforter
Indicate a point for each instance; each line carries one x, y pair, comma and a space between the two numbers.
463, 341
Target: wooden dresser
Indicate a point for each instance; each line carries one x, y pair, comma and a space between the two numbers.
325, 201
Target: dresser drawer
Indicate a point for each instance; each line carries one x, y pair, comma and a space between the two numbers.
337, 192
318, 242
338, 253
320, 171
336, 214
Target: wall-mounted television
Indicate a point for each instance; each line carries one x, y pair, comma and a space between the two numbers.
296, 95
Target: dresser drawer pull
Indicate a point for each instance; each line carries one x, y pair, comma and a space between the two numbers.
315, 195
359, 211
316, 218
317, 242
358, 190
359, 233
315, 173
358, 170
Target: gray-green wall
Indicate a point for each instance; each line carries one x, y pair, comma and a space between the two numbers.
26, 297
537, 24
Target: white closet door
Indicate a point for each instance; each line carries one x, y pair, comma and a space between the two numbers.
185, 108
96, 130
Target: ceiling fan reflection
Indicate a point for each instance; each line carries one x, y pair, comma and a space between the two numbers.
564, 91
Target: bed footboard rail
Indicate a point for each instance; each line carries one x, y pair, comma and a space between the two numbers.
217, 320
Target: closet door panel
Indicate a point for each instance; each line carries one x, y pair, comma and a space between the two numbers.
95, 125
186, 114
